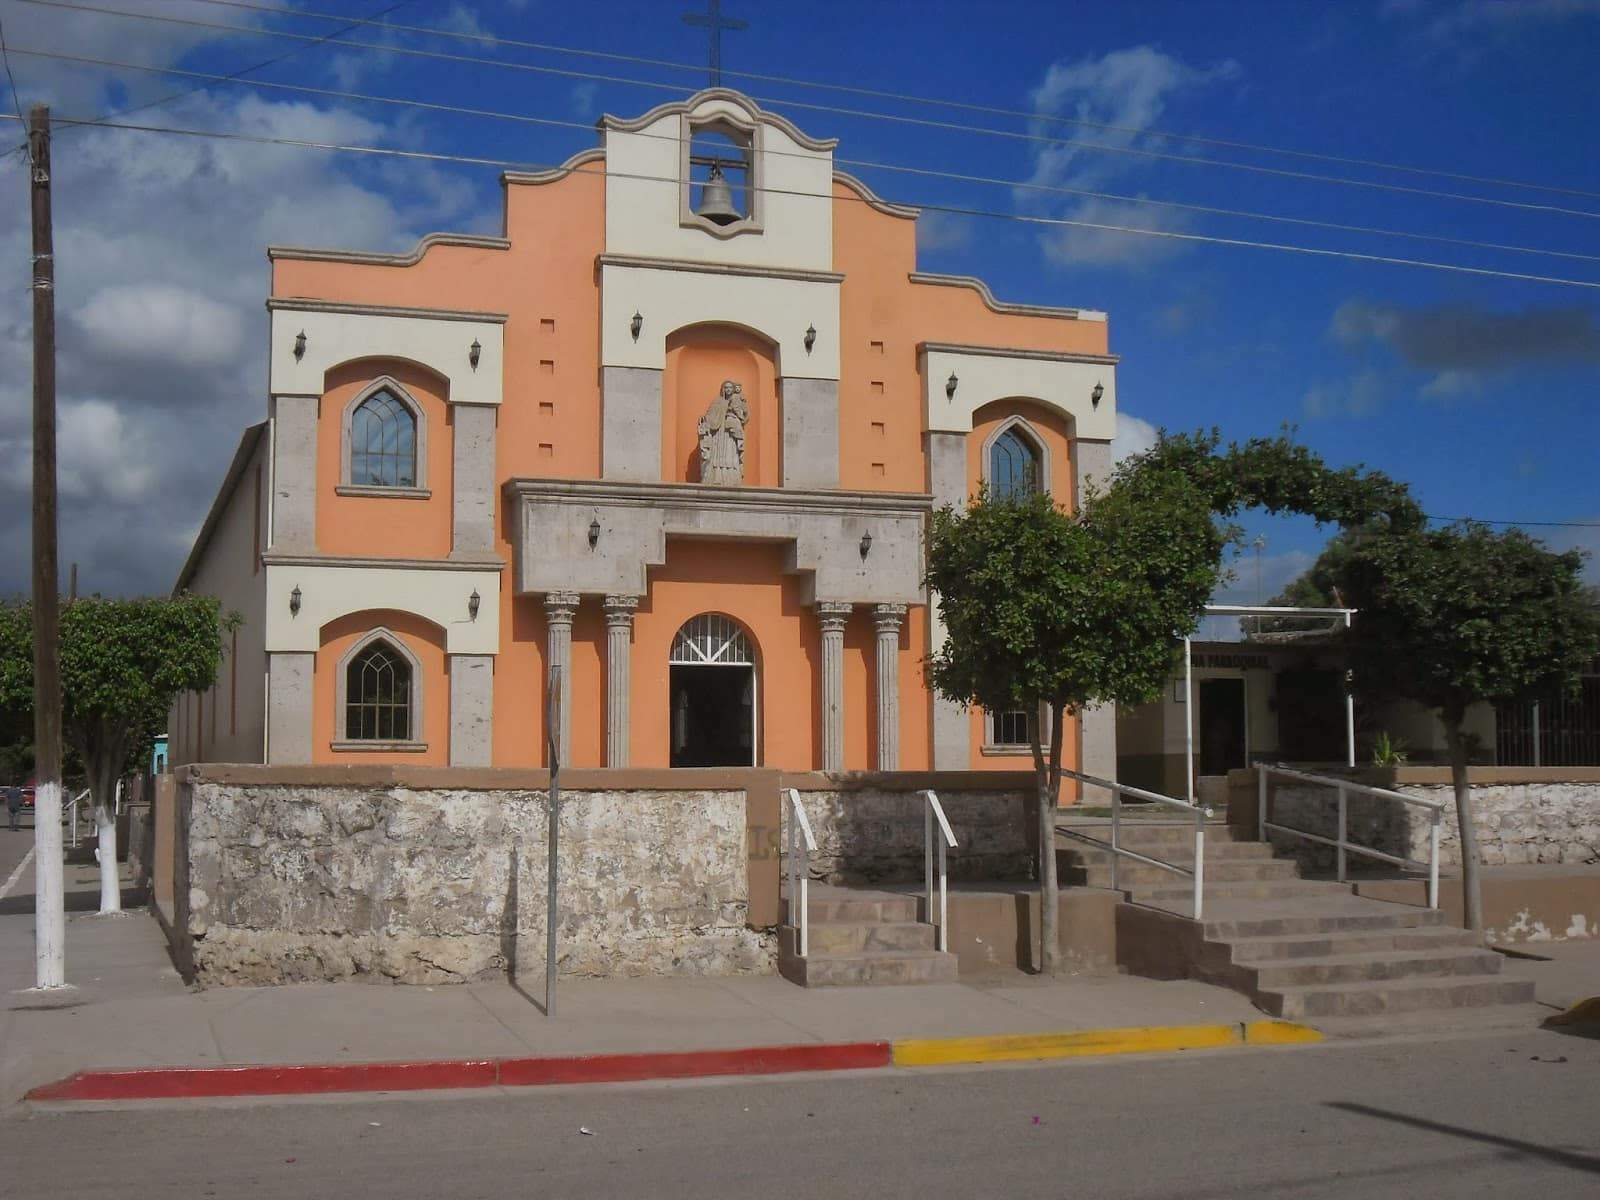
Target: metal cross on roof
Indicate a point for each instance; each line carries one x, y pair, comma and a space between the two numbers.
716, 23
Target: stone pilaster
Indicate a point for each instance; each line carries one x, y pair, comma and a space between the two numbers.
1097, 726
290, 679
559, 609
947, 481
832, 616
619, 658
888, 618
471, 710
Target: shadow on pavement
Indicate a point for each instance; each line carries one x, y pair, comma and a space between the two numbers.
75, 902
1565, 1158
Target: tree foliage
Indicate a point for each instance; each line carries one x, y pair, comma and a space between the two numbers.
1043, 608
123, 664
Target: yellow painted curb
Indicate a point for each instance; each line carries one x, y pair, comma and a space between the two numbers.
1279, 1033
929, 1052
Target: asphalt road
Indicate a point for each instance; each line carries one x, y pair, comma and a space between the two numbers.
1503, 1117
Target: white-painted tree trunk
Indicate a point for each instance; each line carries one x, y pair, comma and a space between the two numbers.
50, 920
110, 886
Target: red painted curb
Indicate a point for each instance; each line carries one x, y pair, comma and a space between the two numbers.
757, 1060
195, 1083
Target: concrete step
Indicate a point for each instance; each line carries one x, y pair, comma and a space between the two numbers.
1136, 875
1337, 944
876, 967
1394, 996
851, 904
1264, 922
1283, 889
858, 937
1136, 834
1372, 967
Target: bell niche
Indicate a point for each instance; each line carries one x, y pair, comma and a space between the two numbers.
721, 190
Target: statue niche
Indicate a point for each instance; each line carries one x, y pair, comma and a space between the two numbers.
721, 433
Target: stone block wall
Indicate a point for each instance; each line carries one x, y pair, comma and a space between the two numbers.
1527, 820
291, 882
877, 835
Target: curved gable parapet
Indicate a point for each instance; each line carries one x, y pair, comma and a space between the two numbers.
1001, 306
373, 258
874, 201
609, 122
552, 174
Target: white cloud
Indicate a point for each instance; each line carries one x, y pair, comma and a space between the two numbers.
1135, 435
943, 231
1359, 396
161, 273
1130, 89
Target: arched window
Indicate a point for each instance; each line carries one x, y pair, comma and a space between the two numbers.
383, 442
378, 695
1014, 467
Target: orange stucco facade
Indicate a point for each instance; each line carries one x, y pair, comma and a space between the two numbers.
557, 378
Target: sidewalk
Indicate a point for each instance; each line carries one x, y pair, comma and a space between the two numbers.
131, 1010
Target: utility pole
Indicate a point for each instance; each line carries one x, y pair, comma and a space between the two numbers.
50, 923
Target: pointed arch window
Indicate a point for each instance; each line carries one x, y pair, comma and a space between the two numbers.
378, 695
383, 442
1015, 466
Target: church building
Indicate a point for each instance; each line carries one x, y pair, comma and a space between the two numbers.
677, 431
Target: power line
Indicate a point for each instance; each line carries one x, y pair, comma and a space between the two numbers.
5, 54
867, 164
242, 71
877, 94
1540, 524
921, 122
954, 210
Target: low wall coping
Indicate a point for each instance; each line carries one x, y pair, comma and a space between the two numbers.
1439, 776
597, 778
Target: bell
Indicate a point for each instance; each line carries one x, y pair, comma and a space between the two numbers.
716, 200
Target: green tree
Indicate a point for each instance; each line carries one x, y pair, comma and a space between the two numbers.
1047, 611
123, 664
1459, 615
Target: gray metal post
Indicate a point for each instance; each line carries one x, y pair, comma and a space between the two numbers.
552, 732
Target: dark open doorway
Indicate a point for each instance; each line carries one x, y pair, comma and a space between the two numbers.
1222, 726
713, 716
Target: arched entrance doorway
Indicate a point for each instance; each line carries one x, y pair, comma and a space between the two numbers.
712, 681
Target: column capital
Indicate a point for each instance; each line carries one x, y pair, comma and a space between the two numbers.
560, 606
889, 617
620, 610
832, 614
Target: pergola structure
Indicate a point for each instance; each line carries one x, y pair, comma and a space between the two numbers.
1258, 610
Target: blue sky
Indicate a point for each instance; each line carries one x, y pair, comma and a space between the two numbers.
1478, 391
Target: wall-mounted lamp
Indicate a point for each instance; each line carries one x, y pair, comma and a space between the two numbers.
636, 324
294, 601
811, 337
474, 353
950, 386
1094, 396
473, 602
866, 543
299, 345
594, 532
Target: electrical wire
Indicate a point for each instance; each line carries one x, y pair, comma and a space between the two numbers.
1100, 147
937, 101
5, 54
954, 210
867, 164
1540, 524
235, 76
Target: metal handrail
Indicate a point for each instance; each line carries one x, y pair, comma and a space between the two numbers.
1201, 813
801, 844
1341, 843
934, 813
77, 802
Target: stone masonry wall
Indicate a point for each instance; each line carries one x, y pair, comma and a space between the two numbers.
1532, 822
313, 883
867, 836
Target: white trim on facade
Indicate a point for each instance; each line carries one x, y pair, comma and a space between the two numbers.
330, 592
1064, 383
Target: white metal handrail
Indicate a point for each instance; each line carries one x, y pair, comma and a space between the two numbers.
1200, 811
945, 842
801, 845
1341, 843
77, 802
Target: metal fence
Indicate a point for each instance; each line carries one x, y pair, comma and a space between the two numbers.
1558, 730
